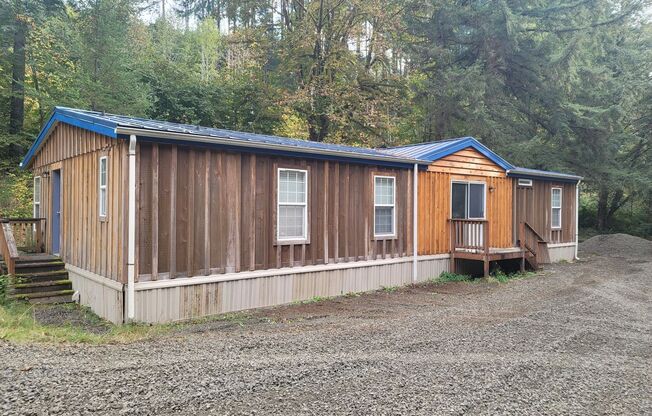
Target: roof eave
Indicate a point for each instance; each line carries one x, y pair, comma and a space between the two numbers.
257, 145
516, 173
63, 115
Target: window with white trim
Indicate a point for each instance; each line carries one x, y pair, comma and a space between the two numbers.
292, 205
384, 206
37, 197
525, 182
555, 221
103, 185
468, 200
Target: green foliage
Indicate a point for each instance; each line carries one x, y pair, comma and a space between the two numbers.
501, 277
548, 84
4, 284
16, 195
451, 277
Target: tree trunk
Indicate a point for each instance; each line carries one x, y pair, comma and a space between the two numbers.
17, 114
603, 209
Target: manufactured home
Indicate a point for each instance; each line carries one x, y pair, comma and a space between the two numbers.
154, 221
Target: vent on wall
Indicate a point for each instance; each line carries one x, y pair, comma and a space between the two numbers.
525, 182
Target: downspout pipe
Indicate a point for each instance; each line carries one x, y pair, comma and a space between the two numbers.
131, 236
577, 218
415, 223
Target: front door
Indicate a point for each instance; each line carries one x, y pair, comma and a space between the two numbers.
56, 211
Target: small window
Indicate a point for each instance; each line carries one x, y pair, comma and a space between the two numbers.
384, 206
292, 217
556, 208
525, 182
37, 197
103, 187
468, 200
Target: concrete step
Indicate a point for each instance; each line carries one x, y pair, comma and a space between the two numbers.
41, 276
35, 267
35, 287
45, 296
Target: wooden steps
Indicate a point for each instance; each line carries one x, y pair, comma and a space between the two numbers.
40, 279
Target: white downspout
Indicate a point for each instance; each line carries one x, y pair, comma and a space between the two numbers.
577, 217
415, 223
131, 242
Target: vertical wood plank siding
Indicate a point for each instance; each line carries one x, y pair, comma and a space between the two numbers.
87, 241
435, 199
534, 205
224, 210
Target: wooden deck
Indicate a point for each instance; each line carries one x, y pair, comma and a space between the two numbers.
469, 240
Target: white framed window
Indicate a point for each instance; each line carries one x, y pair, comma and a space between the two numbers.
37, 197
384, 206
292, 205
555, 221
103, 185
468, 200
525, 182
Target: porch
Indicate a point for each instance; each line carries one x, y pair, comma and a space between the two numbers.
469, 240
37, 277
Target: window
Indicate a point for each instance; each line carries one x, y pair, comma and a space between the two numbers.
556, 208
292, 210
384, 205
525, 182
103, 190
468, 200
37, 197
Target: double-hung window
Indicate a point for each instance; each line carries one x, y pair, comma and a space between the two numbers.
384, 206
292, 209
468, 200
37, 197
103, 186
556, 208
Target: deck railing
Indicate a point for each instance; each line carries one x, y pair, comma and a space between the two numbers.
28, 233
8, 247
20, 234
469, 235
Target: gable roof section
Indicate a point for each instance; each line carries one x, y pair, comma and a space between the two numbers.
115, 126
436, 150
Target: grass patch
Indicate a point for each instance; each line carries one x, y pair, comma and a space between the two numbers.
18, 323
314, 299
502, 277
389, 289
451, 277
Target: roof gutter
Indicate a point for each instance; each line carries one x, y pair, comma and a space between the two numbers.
257, 145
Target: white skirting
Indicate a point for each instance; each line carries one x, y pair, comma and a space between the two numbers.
561, 252
104, 296
186, 298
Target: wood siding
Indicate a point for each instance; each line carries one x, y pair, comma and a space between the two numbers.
533, 205
203, 211
88, 242
435, 199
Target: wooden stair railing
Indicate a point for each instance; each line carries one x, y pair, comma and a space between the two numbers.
8, 247
532, 242
28, 234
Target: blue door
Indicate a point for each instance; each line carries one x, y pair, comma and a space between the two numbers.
56, 211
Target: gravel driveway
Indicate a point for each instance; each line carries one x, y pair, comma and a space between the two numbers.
576, 339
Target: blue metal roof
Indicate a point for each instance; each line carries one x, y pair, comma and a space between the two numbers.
432, 151
527, 173
111, 124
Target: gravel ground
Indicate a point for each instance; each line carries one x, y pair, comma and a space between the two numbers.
576, 339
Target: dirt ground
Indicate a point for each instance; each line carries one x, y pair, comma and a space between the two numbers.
574, 339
